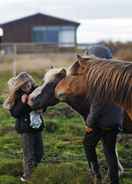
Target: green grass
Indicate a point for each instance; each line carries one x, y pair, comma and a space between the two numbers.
7, 179
65, 161
64, 173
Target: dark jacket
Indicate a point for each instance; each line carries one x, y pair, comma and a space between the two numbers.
100, 51
21, 112
105, 116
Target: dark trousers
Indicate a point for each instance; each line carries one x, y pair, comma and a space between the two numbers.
32, 151
108, 139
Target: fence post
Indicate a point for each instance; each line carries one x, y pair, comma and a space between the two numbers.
14, 60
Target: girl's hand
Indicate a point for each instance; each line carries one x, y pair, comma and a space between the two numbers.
24, 98
88, 130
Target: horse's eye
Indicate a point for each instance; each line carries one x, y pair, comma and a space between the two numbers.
74, 73
83, 67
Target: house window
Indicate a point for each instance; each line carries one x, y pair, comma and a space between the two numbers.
67, 36
45, 34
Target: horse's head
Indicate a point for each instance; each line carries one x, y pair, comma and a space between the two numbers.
75, 83
44, 96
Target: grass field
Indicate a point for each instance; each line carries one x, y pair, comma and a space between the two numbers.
64, 161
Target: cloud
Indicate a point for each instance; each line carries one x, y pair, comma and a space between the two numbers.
113, 25
105, 29
81, 9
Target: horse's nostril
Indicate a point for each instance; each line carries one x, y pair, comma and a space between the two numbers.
33, 99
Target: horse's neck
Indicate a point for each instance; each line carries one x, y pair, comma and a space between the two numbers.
80, 104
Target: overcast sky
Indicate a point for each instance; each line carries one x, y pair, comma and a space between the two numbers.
100, 19
71, 9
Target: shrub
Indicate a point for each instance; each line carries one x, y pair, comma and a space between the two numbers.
124, 54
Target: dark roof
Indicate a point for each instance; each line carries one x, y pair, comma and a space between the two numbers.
42, 16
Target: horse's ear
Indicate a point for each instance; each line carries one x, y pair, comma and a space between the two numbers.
63, 72
78, 57
80, 60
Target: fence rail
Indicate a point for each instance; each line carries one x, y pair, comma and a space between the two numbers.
8, 48
12, 50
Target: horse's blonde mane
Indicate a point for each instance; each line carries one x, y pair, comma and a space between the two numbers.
50, 75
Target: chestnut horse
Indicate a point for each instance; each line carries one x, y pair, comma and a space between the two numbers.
100, 80
44, 96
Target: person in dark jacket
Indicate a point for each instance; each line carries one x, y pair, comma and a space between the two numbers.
20, 87
103, 123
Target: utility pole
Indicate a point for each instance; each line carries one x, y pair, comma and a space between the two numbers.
14, 60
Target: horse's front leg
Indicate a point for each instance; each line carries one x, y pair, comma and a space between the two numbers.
90, 142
